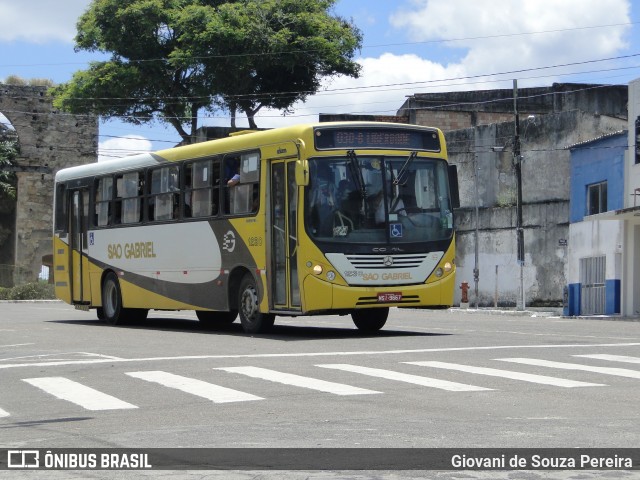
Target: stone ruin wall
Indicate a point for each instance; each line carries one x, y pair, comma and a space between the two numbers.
47, 137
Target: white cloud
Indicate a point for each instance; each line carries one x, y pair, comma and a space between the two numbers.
40, 21
122, 146
490, 32
468, 41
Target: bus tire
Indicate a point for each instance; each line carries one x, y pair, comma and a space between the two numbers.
219, 318
252, 320
112, 311
370, 320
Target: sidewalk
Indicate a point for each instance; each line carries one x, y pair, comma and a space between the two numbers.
546, 312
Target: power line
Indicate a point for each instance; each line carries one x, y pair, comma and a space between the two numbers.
303, 51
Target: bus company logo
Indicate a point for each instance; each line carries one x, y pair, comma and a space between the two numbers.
388, 261
229, 241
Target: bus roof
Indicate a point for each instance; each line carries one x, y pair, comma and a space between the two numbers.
232, 143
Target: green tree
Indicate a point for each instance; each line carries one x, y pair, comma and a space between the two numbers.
171, 59
8, 153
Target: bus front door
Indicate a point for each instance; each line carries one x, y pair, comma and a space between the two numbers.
78, 244
284, 286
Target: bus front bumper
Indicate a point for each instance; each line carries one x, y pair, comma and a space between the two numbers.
321, 295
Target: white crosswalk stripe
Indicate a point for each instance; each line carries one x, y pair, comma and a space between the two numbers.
74, 392
619, 372
612, 358
494, 372
210, 391
299, 381
3, 413
404, 377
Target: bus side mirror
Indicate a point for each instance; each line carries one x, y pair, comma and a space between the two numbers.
453, 186
302, 172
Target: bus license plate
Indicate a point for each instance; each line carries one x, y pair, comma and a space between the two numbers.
389, 297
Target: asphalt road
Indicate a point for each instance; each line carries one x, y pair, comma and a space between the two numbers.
428, 379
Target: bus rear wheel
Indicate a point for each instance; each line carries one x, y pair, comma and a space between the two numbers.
370, 320
252, 320
219, 318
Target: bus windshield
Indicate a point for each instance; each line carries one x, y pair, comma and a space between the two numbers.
378, 199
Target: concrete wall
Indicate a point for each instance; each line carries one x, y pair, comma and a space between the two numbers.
478, 107
46, 137
546, 182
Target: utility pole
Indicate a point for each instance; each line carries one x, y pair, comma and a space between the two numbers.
517, 164
476, 268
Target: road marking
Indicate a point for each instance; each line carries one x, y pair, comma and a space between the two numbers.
308, 354
75, 392
619, 372
60, 356
215, 393
3, 413
494, 372
404, 377
612, 358
299, 381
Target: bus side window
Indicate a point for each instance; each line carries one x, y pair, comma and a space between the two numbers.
128, 196
104, 192
199, 198
61, 208
164, 195
215, 185
243, 196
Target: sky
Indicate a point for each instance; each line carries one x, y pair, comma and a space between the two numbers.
409, 46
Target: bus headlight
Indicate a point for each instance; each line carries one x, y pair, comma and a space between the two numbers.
331, 275
448, 267
439, 272
317, 269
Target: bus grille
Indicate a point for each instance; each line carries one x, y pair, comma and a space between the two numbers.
386, 261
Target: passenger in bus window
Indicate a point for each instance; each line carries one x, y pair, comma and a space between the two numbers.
234, 180
232, 170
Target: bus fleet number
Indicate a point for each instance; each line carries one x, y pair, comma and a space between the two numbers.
255, 241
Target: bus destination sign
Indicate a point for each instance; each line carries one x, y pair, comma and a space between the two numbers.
376, 138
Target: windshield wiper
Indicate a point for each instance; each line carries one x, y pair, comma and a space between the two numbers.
399, 180
356, 173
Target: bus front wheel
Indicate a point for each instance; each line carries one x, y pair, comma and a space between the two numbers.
370, 320
252, 320
112, 311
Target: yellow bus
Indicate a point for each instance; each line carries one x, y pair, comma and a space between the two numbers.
327, 218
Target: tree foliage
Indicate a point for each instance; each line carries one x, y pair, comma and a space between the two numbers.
171, 59
8, 154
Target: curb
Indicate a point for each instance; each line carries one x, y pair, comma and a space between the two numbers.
31, 301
